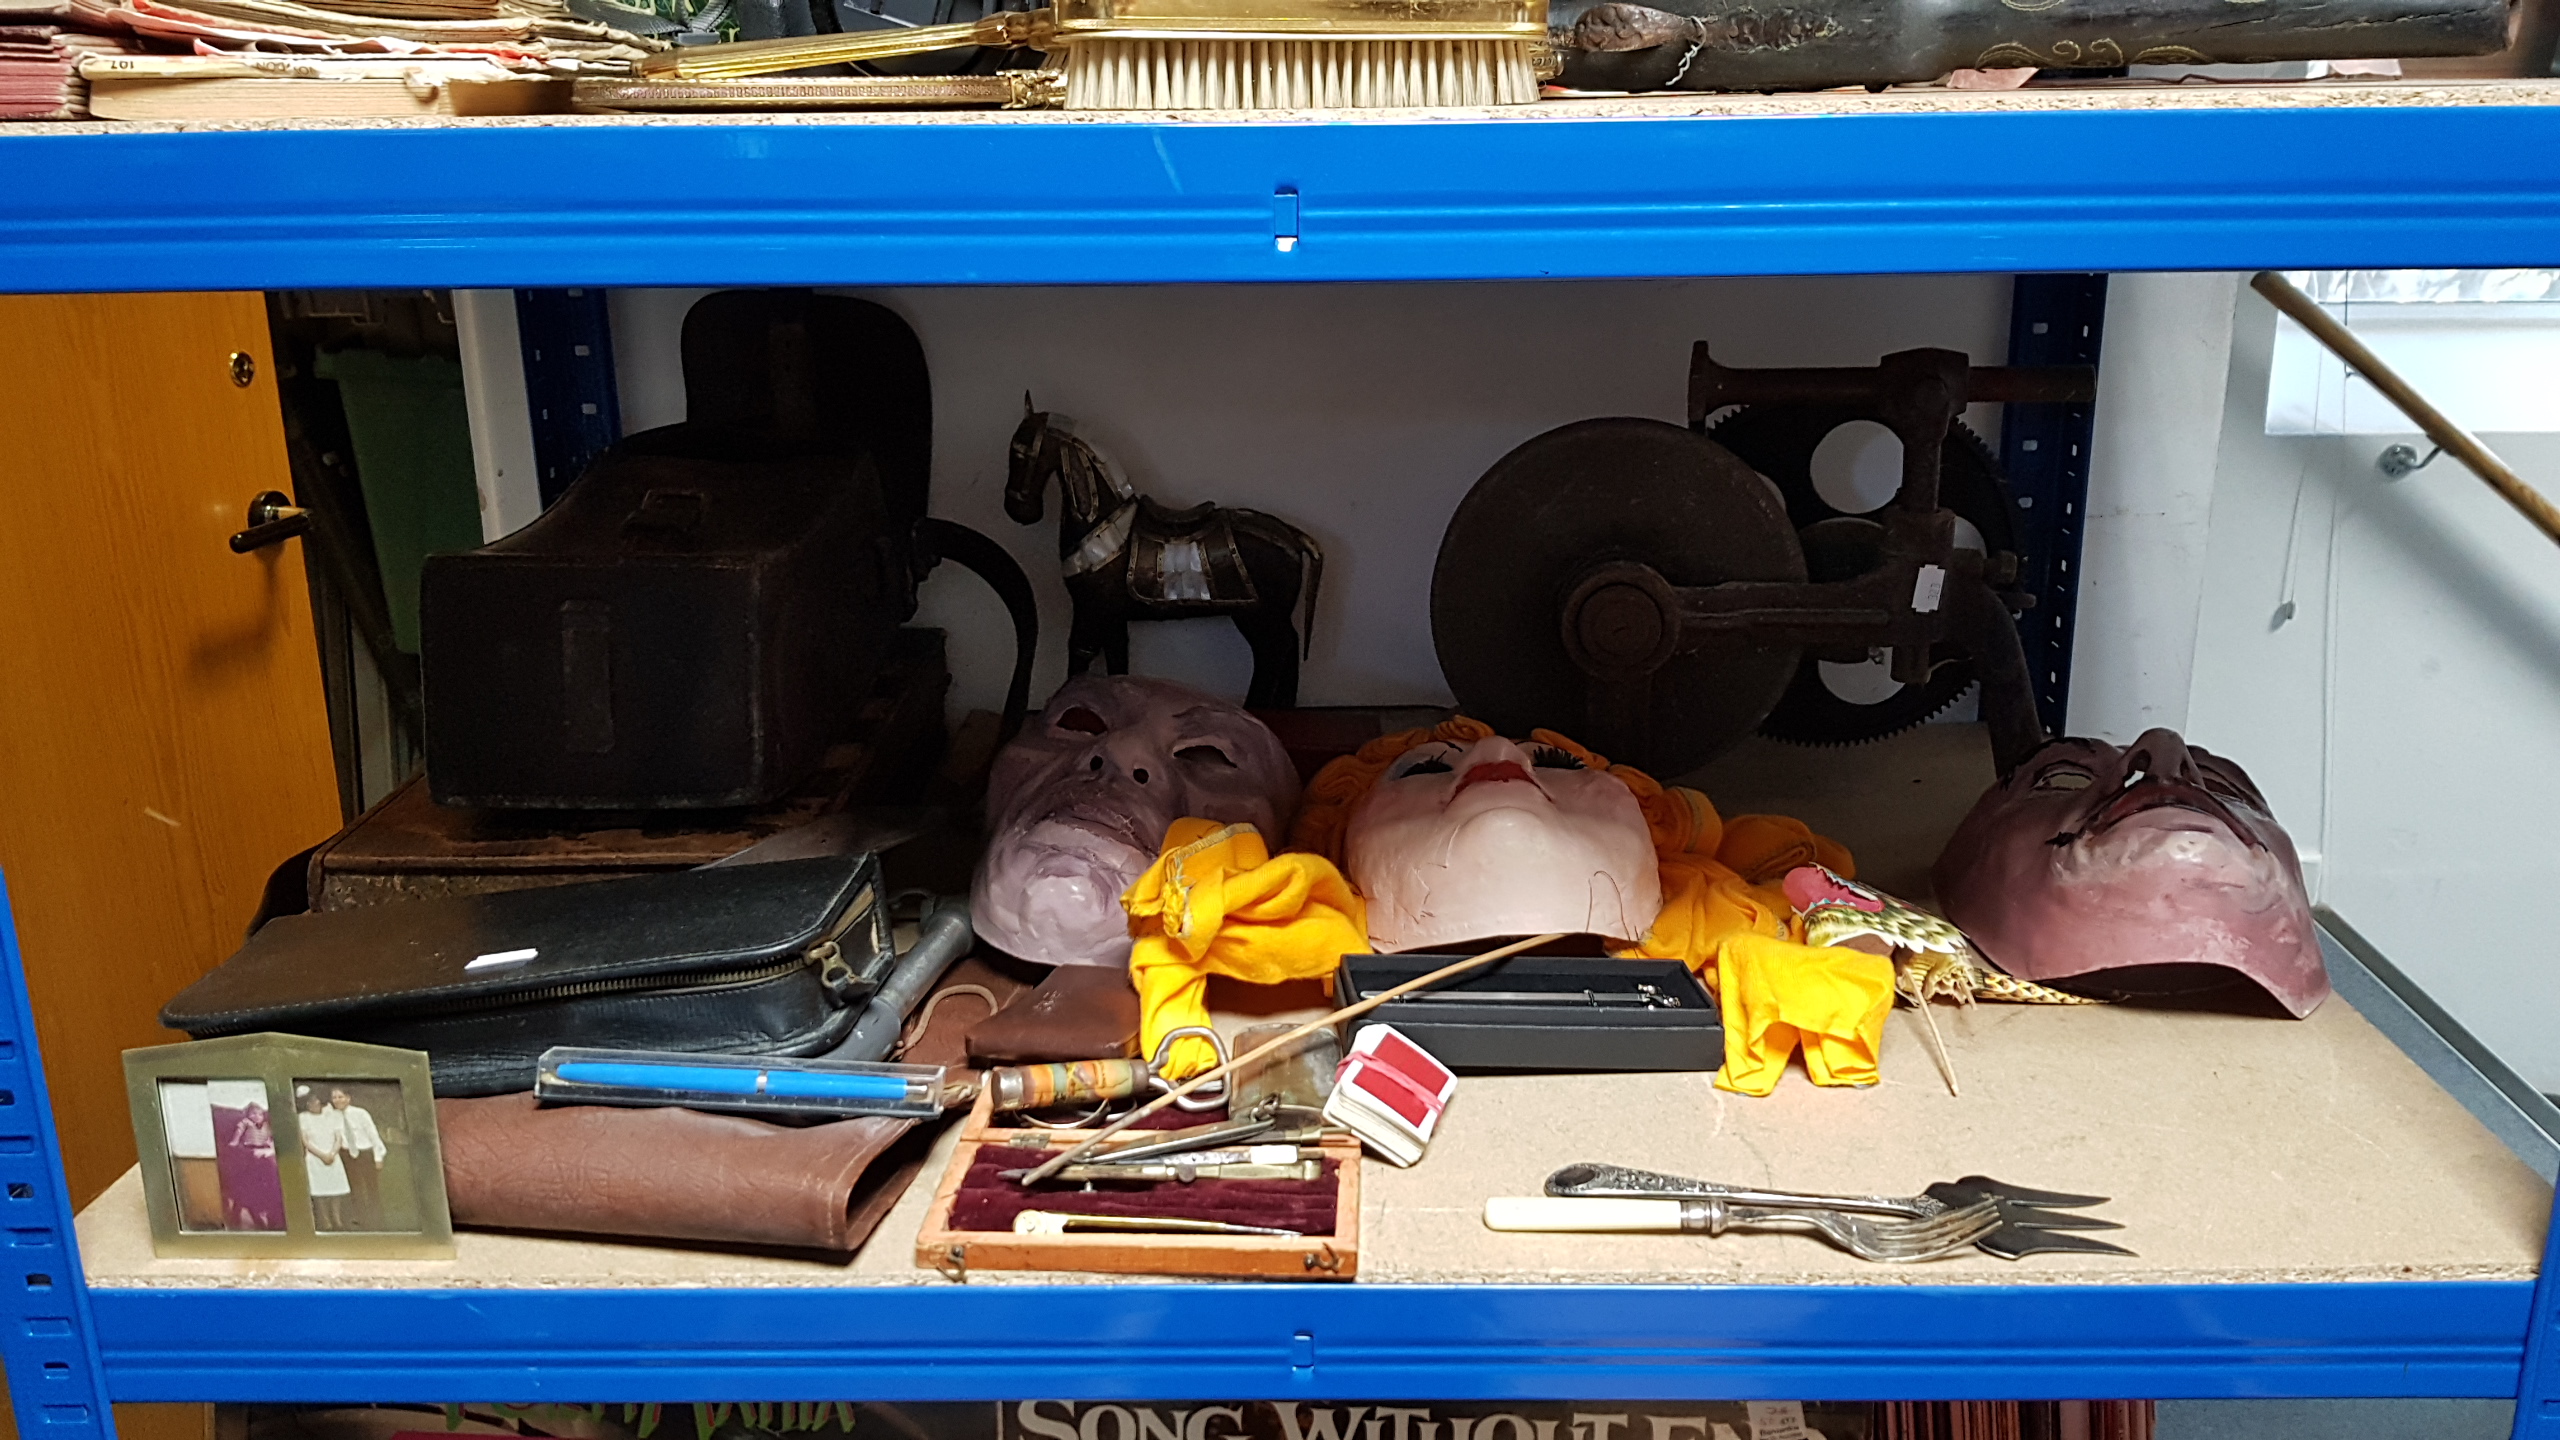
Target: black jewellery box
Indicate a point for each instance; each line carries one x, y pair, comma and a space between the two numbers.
1546, 1012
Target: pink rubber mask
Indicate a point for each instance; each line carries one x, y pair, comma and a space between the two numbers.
1078, 804
1469, 840
2154, 863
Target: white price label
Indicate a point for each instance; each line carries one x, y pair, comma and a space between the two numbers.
1779, 1420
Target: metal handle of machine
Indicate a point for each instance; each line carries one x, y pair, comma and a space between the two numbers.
1008, 29
2438, 427
1896, 383
273, 518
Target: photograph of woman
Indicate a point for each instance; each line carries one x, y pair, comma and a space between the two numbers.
324, 1137
222, 1154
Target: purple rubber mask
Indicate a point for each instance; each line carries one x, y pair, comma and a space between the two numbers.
2154, 863
1078, 804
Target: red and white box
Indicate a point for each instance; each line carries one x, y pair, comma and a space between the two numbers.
1390, 1093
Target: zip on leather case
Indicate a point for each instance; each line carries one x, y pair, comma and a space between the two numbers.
628, 984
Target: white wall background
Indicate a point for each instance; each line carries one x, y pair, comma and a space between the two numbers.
1360, 413
2161, 370
2402, 720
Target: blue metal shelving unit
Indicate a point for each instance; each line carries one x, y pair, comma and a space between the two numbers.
1043, 201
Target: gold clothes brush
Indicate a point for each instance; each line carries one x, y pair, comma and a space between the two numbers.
1212, 54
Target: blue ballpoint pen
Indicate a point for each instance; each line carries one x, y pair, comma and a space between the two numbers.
737, 1080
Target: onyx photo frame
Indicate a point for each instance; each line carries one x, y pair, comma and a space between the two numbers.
284, 1146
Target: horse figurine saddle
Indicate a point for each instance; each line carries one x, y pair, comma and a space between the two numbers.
1187, 557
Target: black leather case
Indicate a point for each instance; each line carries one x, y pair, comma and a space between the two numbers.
772, 959
701, 614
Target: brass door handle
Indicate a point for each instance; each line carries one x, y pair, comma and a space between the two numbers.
273, 517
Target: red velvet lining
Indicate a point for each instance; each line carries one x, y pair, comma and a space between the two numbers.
986, 1201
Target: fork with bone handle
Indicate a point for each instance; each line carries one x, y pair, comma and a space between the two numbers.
1869, 1237
2031, 1221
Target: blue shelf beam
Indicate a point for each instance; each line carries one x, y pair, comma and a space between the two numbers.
940, 1341
609, 203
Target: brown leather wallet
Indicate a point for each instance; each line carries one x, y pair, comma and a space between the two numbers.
670, 1174
1080, 1012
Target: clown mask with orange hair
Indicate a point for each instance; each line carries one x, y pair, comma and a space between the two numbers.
1456, 833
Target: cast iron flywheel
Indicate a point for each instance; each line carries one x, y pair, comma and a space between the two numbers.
1579, 497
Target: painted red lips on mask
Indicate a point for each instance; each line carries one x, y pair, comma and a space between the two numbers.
1488, 774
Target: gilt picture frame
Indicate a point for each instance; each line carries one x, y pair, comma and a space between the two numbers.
287, 1147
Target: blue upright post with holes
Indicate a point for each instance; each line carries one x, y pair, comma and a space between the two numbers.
2538, 1379
55, 1382
568, 381
2044, 450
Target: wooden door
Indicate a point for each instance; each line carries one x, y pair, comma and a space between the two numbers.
164, 740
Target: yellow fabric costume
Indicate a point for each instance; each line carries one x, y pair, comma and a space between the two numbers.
1777, 995
1217, 902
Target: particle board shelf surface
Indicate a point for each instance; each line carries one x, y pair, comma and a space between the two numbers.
2237, 1150
1909, 101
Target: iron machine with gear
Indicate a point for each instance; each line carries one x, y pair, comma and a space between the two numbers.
1661, 591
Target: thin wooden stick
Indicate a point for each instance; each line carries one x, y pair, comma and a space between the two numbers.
2457, 442
1065, 1158
1937, 1042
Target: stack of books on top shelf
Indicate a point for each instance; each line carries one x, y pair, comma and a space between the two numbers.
251, 86
41, 46
283, 59
40, 70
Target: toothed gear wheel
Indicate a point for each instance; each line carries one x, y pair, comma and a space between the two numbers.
1779, 442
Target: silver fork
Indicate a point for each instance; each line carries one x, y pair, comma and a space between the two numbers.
1891, 1241
1869, 1238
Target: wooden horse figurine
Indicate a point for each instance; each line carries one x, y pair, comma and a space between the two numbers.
1128, 558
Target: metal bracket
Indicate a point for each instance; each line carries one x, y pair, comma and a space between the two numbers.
2401, 461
